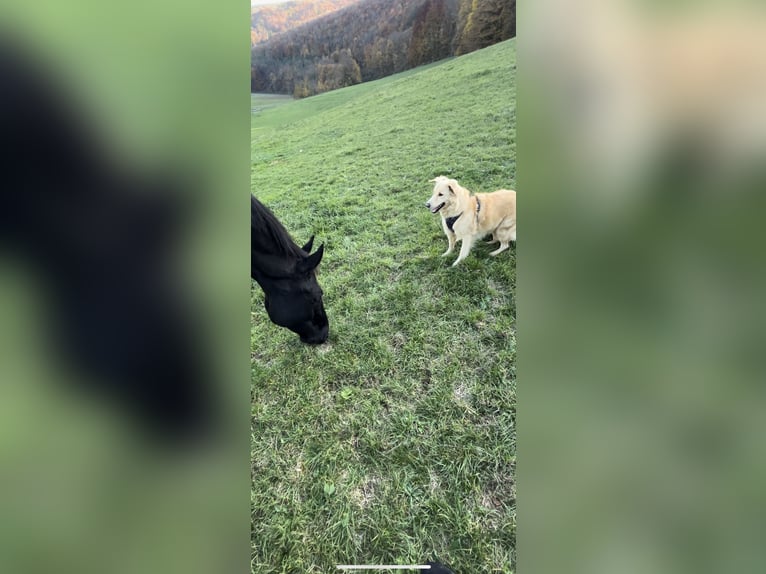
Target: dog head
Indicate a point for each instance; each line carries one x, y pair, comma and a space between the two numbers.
444, 194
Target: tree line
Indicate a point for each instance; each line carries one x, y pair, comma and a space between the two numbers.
376, 38
271, 19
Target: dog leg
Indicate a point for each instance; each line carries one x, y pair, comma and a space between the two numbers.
451, 239
503, 247
450, 248
465, 249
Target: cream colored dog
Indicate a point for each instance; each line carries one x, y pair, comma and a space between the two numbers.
467, 217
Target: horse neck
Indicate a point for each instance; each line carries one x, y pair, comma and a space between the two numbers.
270, 262
267, 232
268, 239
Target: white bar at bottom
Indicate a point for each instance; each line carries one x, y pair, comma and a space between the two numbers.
384, 567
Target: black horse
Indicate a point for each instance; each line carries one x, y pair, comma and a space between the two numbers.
100, 235
286, 273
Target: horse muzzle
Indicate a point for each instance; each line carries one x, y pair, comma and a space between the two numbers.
316, 338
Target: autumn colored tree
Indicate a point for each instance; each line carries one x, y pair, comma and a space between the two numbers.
269, 20
432, 32
373, 39
487, 22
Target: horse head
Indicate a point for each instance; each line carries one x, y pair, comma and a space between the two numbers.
292, 295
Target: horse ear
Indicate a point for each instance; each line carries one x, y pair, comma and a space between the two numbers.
309, 245
310, 263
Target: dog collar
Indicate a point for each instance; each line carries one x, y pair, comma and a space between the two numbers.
451, 220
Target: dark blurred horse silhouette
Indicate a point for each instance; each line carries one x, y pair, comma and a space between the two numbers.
100, 238
286, 273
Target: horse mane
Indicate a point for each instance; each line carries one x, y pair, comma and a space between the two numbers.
268, 234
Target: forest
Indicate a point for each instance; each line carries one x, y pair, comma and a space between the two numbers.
372, 39
271, 19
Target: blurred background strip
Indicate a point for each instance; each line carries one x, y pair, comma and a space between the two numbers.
642, 141
124, 292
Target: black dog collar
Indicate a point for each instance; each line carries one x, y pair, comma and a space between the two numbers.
451, 221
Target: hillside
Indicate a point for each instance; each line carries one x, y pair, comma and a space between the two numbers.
395, 441
372, 39
271, 19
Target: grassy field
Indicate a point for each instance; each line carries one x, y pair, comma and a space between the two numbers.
260, 103
394, 442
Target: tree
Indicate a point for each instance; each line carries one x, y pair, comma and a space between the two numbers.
432, 33
486, 22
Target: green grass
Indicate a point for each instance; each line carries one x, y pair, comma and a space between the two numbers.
395, 441
260, 103
266, 117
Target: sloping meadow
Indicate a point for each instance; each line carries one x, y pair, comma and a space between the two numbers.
395, 441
